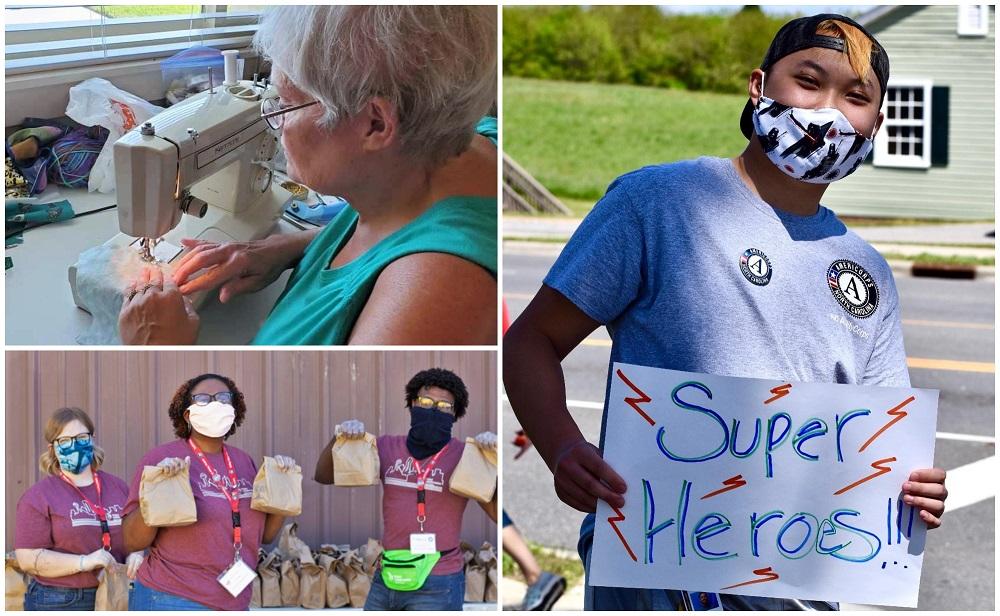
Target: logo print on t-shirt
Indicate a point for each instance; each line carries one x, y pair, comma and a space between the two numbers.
853, 288
756, 267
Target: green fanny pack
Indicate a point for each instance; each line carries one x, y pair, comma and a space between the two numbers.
403, 570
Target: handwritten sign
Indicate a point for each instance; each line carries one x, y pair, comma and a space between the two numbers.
763, 488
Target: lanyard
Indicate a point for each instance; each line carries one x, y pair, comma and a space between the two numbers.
98, 509
421, 481
234, 504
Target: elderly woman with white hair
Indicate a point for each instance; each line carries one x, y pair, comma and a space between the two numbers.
386, 107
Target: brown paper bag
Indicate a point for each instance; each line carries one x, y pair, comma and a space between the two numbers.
112, 589
290, 583
370, 554
15, 584
355, 461
277, 491
487, 557
270, 580
291, 547
336, 587
312, 586
167, 500
255, 584
475, 582
352, 569
476, 474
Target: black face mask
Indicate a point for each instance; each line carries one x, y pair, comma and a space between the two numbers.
430, 430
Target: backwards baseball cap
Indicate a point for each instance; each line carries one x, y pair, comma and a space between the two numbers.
800, 34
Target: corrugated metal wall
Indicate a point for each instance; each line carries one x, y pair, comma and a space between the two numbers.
294, 400
922, 42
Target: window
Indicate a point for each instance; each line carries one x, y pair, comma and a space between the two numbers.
905, 137
973, 19
39, 38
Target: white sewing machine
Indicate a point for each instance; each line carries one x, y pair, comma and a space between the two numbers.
207, 157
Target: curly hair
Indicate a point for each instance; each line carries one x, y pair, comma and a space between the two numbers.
48, 463
445, 379
182, 400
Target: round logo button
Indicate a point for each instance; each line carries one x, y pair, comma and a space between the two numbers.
853, 288
756, 267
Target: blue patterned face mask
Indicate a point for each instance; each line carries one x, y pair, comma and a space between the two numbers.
75, 457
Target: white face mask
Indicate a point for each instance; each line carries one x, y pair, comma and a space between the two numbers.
213, 420
816, 146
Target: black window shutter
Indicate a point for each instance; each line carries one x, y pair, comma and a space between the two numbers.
939, 126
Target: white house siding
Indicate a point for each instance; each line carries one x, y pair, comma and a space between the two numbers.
922, 42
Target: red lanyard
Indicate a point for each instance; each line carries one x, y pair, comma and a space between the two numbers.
421, 481
98, 509
234, 503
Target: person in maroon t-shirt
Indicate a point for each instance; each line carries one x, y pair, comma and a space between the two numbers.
183, 568
68, 525
436, 398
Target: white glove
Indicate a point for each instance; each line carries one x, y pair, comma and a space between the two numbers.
486, 440
172, 466
98, 559
352, 428
132, 564
285, 463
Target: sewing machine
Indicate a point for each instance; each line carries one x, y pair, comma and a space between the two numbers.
199, 170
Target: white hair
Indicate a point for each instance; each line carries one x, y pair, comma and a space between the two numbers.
437, 65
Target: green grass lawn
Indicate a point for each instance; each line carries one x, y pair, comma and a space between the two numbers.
149, 10
578, 137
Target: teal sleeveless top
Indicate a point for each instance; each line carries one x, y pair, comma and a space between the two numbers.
320, 305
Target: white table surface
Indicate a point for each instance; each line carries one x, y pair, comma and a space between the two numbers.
39, 303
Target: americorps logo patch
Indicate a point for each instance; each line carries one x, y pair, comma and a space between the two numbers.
756, 267
853, 288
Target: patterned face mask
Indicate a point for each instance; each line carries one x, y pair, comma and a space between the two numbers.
76, 457
816, 146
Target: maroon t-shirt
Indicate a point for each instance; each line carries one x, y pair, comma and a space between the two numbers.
51, 515
399, 500
186, 560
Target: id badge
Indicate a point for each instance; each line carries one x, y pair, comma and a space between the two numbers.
423, 543
703, 601
237, 577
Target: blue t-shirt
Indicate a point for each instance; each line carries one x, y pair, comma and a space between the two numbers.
690, 270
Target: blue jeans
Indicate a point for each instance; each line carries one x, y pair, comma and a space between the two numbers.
439, 592
145, 599
40, 597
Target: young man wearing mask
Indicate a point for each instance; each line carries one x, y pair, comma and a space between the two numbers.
729, 267
421, 462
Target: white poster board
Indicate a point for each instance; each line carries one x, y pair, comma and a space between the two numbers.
763, 488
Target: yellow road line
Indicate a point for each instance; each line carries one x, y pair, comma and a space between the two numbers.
912, 362
951, 364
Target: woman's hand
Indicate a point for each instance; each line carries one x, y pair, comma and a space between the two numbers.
132, 564
486, 440
285, 463
352, 428
582, 476
925, 491
98, 559
154, 312
172, 466
237, 267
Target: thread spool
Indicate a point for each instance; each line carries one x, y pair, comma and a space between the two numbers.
229, 56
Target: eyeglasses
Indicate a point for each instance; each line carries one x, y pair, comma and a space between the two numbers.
225, 397
430, 403
274, 112
65, 442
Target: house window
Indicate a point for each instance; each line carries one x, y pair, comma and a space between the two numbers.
905, 137
973, 19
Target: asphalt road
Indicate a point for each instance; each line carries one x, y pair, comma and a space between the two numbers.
943, 320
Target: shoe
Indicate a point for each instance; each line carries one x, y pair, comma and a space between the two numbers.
544, 593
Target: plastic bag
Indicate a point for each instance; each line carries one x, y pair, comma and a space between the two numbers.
97, 102
186, 73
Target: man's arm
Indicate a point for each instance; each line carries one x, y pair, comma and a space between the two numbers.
324, 466
548, 329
